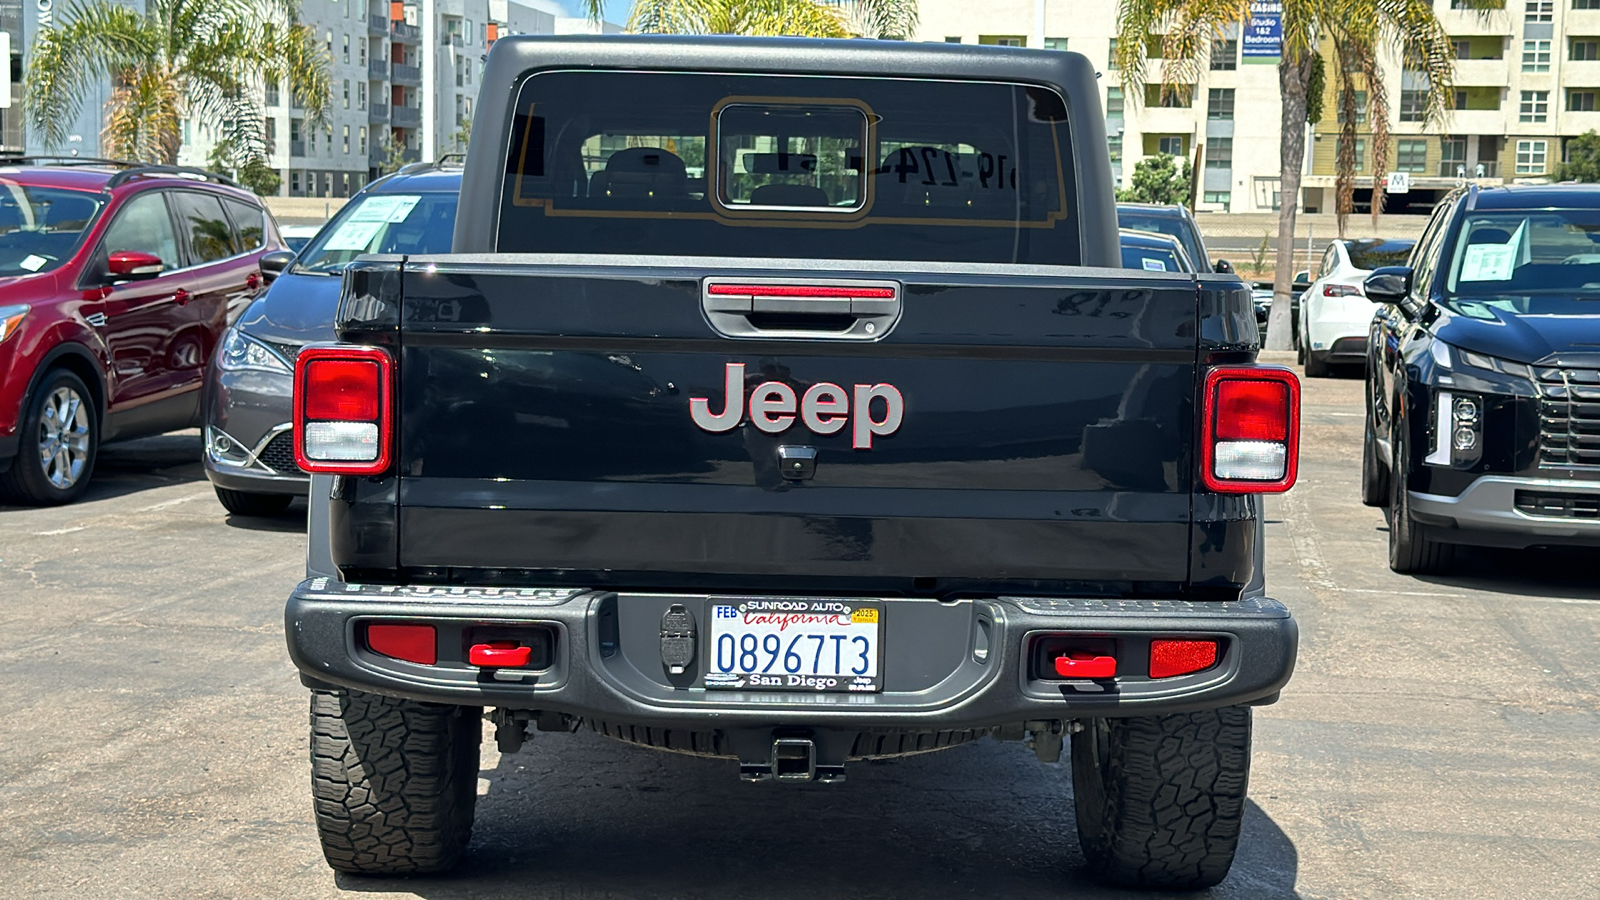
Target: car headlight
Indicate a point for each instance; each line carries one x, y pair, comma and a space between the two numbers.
11, 318
240, 351
1493, 364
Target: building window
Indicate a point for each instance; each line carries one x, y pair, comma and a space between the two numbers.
361, 136
1114, 144
1535, 56
347, 49
294, 181
1453, 157
953, 40
1219, 153
1586, 4
1411, 156
1535, 106
361, 52
361, 95
1003, 40
1580, 101
1414, 105
1170, 144
1531, 157
1224, 55
1215, 198
1540, 11
272, 93
347, 139
329, 40
1463, 49
1171, 96
1111, 55
1055, 43
1462, 4
271, 133
1219, 103
1268, 191
1361, 107
1361, 152
1114, 103
347, 93
1586, 48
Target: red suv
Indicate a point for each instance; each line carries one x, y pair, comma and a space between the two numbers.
116, 282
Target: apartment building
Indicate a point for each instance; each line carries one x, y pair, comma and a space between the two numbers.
1527, 80
1230, 117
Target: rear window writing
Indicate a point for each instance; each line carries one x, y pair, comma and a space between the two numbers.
765, 166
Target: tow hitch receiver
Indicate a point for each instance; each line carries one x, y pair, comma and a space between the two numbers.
792, 759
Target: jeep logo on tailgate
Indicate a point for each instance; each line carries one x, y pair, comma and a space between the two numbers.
825, 408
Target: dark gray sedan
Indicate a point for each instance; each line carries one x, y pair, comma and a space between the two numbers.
249, 447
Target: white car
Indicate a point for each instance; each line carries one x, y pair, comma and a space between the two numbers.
1335, 311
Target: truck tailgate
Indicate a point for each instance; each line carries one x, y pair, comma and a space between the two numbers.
1044, 439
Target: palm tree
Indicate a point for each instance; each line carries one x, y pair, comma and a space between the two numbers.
1344, 36
203, 60
806, 18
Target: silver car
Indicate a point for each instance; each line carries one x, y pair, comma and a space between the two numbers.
249, 447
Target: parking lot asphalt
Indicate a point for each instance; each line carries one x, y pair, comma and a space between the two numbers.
1439, 739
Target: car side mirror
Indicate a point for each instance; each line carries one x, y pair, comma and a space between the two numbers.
1390, 284
131, 265
1223, 267
273, 264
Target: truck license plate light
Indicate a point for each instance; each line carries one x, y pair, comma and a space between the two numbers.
1169, 658
342, 399
412, 643
1250, 430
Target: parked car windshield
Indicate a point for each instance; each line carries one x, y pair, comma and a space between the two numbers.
1506, 252
41, 227
383, 223
1373, 254
1132, 218
1148, 255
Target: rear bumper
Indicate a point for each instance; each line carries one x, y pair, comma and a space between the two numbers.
946, 665
1487, 513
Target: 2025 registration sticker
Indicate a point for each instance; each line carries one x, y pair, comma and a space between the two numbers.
795, 645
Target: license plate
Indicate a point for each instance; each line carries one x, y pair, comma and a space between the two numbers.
795, 645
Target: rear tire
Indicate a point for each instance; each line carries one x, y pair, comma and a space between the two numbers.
1160, 799
247, 503
1317, 365
1374, 477
59, 443
1411, 550
394, 782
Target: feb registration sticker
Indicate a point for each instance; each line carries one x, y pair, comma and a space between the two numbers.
795, 645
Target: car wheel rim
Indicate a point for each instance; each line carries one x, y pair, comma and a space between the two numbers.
63, 438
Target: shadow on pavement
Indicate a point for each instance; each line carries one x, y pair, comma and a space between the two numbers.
583, 816
292, 521
1563, 573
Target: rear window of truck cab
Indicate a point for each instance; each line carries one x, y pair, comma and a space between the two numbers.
789, 166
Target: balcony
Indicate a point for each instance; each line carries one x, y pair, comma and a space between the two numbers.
1481, 72
1478, 121
405, 117
1466, 22
400, 73
407, 34
378, 112
1166, 119
1491, 169
297, 148
451, 40
378, 70
377, 26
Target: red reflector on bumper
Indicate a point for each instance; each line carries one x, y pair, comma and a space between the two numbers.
412, 643
1169, 658
1082, 665
499, 653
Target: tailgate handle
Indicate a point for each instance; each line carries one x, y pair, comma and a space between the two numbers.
801, 308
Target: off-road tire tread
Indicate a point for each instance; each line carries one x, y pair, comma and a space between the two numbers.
250, 503
1411, 550
1174, 798
1374, 477
394, 782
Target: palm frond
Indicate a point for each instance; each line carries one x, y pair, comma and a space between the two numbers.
96, 38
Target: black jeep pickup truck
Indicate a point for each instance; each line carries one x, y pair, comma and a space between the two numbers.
780, 403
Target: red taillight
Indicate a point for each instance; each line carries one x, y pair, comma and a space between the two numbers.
412, 643
1086, 665
345, 389
1341, 290
342, 410
1181, 657
1250, 430
499, 654
801, 290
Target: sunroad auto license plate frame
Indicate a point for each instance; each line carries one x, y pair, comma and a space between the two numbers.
822, 646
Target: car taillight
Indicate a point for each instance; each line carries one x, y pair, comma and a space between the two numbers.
1341, 290
342, 400
1250, 432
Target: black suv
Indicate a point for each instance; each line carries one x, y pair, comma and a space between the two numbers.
1483, 392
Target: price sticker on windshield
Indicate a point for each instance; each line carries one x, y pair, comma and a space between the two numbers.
777, 644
